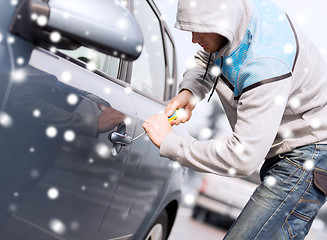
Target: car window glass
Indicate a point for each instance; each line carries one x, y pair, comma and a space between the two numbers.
95, 60
148, 73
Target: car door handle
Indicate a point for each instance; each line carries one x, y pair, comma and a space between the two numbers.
118, 138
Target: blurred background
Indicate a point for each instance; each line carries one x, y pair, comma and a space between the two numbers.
205, 218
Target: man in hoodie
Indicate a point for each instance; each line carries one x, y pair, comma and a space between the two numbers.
272, 85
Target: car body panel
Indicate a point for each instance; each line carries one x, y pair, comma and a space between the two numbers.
61, 178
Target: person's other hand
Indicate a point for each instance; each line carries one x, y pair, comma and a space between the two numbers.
109, 118
157, 127
183, 100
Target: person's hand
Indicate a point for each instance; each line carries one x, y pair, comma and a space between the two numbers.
183, 100
109, 118
157, 127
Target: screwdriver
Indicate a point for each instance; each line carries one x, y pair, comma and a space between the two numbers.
171, 118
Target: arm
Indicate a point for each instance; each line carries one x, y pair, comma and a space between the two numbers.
258, 119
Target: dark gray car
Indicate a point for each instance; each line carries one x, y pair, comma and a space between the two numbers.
77, 80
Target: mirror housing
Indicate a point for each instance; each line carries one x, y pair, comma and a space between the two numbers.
103, 25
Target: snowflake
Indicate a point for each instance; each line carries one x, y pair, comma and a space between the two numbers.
309, 164
13, 208
181, 113
279, 100
289, 48
205, 133
215, 71
34, 16
53, 49
139, 48
175, 165
42, 21
36, 113
107, 90
192, 4
171, 81
128, 121
190, 63
34, 173
55, 36
66, 76
189, 199
18, 75
102, 150
91, 65
72, 99
231, 171
195, 100
10, 40
6, 120
315, 123
270, 181
53, 193
69, 135
113, 179
74, 226
128, 90
20, 61
223, 24
229, 61
295, 103
286, 133
239, 148
301, 18
66, 15
14, 2
164, 17
223, 6
57, 226
51, 132
154, 38
281, 17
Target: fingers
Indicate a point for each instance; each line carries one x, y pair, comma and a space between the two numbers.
171, 107
188, 113
157, 127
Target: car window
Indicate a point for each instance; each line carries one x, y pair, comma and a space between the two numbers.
95, 60
148, 73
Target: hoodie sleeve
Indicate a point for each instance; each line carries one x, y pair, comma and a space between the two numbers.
193, 76
258, 118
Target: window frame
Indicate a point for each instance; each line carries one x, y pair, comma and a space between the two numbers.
169, 91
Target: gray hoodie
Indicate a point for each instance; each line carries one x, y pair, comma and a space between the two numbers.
272, 87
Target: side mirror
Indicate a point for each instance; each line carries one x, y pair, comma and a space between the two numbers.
103, 25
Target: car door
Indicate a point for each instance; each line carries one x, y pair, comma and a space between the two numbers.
150, 183
62, 169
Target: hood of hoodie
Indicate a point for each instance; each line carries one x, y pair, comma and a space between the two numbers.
228, 18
